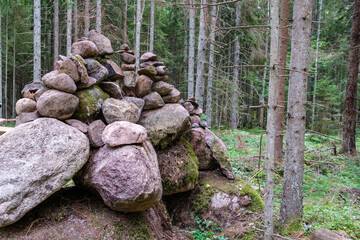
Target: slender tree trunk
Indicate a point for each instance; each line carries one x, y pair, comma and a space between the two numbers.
86, 18
350, 112
211, 65
13, 80
68, 28
152, 16
235, 81
281, 81
138, 32
6, 62
191, 49
76, 25
292, 197
37, 41
1, 88
56, 30
98, 16
271, 119
125, 38
201, 55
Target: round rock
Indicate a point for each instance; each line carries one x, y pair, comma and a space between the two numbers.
25, 105
85, 48
120, 110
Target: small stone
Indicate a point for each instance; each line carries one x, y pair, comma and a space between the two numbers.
68, 67
112, 89
123, 133
189, 107
60, 82
151, 63
124, 47
203, 123
195, 125
148, 56
173, 97
96, 70
115, 72
91, 81
143, 86
162, 88
30, 89
81, 67
86, 49
161, 70
129, 79
153, 100
27, 117
25, 105
198, 111
164, 78
128, 58
130, 52
195, 119
128, 67
148, 71
95, 130
102, 43
120, 110
129, 92
79, 125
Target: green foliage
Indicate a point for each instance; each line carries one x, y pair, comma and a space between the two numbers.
207, 230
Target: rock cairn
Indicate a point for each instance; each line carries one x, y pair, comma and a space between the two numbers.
120, 134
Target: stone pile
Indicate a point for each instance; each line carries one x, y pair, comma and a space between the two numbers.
195, 113
124, 138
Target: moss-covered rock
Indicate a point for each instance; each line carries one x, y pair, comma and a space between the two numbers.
91, 100
178, 168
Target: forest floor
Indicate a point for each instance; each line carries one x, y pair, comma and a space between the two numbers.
331, 181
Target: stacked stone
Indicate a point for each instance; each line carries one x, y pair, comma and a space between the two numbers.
128, 66
195, 113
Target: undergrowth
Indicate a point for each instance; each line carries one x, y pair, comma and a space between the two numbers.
331, 182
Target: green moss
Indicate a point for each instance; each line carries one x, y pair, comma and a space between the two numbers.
190, 150
257, 202
202, 199
134, 227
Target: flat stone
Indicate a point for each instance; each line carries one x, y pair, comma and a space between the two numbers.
148, 71
151, 63
123, 133
96, 70
128, 67
120, 110
25, 105
140, 103
86, 49
148, 56
153, 100
95, 130
124, 47
128, 58
112, 89
162, 88
79, 125
26, 117
102, 43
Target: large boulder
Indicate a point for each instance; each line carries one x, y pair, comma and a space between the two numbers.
220, 153
85, 48
127, 178
57, 104
120, 110
91, 101
102, 43
47, 155
96, 70
60, 82
123, 133
178, 167
166, 124
25, 105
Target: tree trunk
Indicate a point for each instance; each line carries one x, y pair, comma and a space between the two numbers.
6, 62
211, 65
281, 81
201, 55
68, 28
235, 81
152, 16
191, 49
292, 196
56, 30
1, 88
98, 16
125, 38
271, 121
350, 113
138, 32
13, 80
37, 41
86, 18
76, 26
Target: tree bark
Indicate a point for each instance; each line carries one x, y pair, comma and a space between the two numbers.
13, 80
6, 62
1, 88
271, 121
86, 18
125, 38
201, 55
98, 16
292, 197
235, 81
350, 112
138, 32
37, 41
152, 16
68, 28
191, 49
56, 30
76, 25
211, 65
281, 81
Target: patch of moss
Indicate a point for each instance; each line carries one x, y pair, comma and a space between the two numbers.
190, 150
257, 202
202, 198
134, 227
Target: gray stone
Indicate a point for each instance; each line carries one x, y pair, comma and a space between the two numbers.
162, 88
112, 89
153, 100
81, 67
164, 78
30, 89
123, 133
140, 103
47, 155
129, 79
127, 178
148, 56
128, 67
166, 124
40, 92
115, 72
96, 129
68, 67
195, 119
26, 117
79, 125
195, 125
143, 86
85, 48
161, 70
189, 107
102, 43
128, 58
151, 63
173, 97
56, 104
60, 82
120, 110
96, 70
25, 105
91, 81
198, 111
124, 47
148, 71
203, 123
